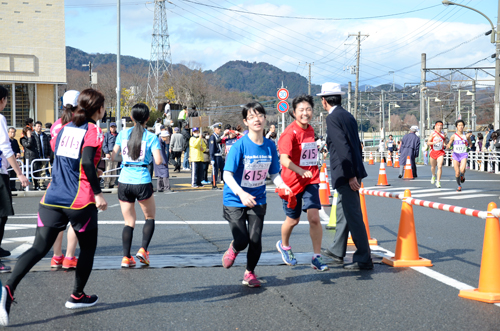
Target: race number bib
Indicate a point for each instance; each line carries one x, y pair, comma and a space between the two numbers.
125, 156
389, 144
254, 174
461, 148
438, 145
71, 142
309, 155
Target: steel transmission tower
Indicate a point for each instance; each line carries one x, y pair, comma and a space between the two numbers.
160, 63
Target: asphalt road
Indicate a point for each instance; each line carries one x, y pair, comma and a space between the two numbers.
186, 288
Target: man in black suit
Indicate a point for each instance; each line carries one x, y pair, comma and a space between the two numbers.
17, 152
347, 170
44, 149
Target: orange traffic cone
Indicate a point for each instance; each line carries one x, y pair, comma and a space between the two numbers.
489, 282
327, 181
396, 160
408, 172
406, 245
389, 159
323, 193
370, 160
371, 241
382, 176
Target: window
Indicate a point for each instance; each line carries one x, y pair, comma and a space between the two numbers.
25, 103
7, 112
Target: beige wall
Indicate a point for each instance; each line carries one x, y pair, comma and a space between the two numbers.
33, 41
45, 103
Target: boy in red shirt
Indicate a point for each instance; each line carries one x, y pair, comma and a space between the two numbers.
299, 159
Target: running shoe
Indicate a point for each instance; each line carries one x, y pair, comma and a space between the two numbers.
5, 303
128, 262
70, 262
318, 264
4, 253
438, 184
459, 189
250, 280
462, 178
433, 180
56, 261
82, 301
4, 268
143, 256
229, 256
286, 255
205, 182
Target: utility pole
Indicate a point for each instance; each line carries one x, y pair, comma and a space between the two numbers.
473, 126
349, 92
423, 90
118, 88
382, 112
309, 82
358, 38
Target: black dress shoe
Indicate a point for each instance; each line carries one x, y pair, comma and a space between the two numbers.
359, 266
400, 176
4, 253
336, 259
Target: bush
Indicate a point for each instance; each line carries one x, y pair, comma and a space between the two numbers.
152, 118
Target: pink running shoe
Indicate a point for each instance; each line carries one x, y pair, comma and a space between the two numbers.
250, 280
229, 256
56, 261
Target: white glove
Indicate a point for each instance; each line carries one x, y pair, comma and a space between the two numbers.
212, 162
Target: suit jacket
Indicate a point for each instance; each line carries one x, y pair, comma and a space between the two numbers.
344, 147
46, 145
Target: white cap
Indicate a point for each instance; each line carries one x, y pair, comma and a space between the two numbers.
330, 89
414, 128
164, 133
71, 98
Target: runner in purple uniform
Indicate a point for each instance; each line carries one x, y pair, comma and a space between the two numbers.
460, 143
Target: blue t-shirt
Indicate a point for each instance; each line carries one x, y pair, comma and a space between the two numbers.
136, 175
250, 163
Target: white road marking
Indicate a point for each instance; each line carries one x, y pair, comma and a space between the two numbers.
428, 272
388, 188
453, 180
18, 239
323, 215
430, 190
19, 226
16, 252
469, 196
115, 205
443, 193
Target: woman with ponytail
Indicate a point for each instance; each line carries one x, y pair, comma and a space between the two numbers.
138, 146
73, 196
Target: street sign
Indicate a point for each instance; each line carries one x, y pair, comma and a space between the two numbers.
283, 94
282, 106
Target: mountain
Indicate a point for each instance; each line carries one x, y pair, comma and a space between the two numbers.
261, 79
75, 58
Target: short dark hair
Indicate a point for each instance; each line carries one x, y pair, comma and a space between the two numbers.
3, 92
28, 121
390, 135
490, 126
257, 107
12, 128
301, 98
459, 121
438, 121
227, 127
48, 125
333, 100
38, 122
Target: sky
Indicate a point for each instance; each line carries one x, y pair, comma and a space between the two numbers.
297, 32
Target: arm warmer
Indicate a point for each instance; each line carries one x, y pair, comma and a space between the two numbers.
229, 180
277, 180
88, 166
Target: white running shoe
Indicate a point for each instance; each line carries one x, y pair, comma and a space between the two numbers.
433, 180
438, 184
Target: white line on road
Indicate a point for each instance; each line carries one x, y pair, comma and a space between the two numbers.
16, 252
444, 193
19, 239
115, 205
469, 196
19, 226
111, 222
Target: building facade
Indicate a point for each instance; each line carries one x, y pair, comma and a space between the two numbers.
32, 58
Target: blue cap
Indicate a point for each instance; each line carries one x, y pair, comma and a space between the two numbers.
196, 129
112, 124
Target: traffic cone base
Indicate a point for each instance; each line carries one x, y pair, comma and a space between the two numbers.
389, 159
408, 172
382, 176
489, 282
406, 254
332, 224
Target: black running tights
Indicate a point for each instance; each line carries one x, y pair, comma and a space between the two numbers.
44, 239
3, 221
244, 235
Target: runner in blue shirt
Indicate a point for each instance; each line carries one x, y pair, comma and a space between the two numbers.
138, 146
249, 161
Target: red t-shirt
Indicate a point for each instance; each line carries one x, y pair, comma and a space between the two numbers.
300, 146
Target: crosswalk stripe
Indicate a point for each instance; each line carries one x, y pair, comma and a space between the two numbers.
18, 239
468, 196
443, 193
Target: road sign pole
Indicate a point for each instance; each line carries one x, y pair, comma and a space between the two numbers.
282, 122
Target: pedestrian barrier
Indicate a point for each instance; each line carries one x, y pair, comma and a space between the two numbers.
382, 176
406, 254
370, 160
371, 241
408, 172
332, 224
389, 159
323, 194
396, 160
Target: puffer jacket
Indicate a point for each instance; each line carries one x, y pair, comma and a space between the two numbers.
30, 148
196, 149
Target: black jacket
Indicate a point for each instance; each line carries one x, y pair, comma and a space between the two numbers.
185, 133
15, 146
344, 146
30, 149
46, 145
109, 142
